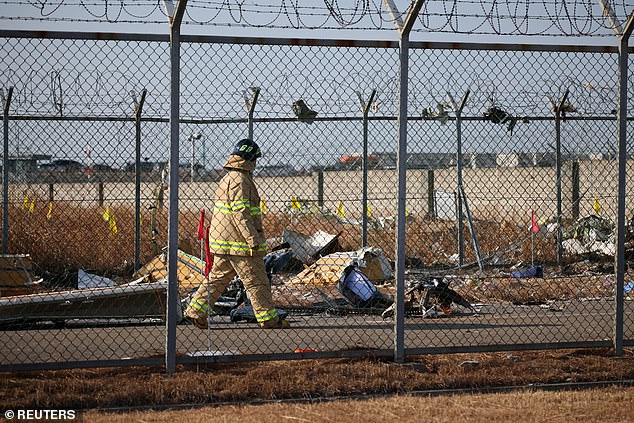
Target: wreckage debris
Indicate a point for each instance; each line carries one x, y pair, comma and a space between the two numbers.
590, 234
307, 249
16, 276
355, 287
430, 295
529, 272
327, 270
140, 300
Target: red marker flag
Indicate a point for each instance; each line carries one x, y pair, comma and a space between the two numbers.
209, 261
201, 225
534, 226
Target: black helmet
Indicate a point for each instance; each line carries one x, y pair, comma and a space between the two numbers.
247, 149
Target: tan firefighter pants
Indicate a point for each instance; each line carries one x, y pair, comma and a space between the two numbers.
253, 274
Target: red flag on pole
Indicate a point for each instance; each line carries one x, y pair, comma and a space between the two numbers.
201, 225
534, 226
209, 262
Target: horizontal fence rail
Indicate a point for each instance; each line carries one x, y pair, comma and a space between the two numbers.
528, 265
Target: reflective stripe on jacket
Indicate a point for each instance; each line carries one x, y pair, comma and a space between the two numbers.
267, 315
236, 224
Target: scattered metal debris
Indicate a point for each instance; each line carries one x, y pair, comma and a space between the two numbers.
590, 234
16, 275
428, 296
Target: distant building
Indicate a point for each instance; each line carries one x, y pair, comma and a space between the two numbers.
536, 159
596, 156
63, 165
146, 167
479, 160
25, 168
420, 160
62, 170
275, 170
354, 161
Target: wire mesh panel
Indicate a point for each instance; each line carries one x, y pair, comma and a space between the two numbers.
510, 198
306, 117
70, 289
524, 168
628, 288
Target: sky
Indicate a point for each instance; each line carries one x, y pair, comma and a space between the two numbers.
214, 80
446, 19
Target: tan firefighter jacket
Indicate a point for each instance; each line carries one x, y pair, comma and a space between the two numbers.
236, 224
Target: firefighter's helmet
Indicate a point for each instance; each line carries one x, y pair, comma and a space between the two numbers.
247, 149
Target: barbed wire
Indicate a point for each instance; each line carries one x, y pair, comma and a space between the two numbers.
112, 93
499, 17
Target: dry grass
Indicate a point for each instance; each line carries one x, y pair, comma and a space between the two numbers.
608, 405
76, 236
98, 388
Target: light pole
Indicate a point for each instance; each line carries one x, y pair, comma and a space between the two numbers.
193, 137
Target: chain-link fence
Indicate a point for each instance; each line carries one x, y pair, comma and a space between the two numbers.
510, 200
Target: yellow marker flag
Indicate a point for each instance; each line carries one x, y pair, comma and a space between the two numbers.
50, 210
113, 224
108, 216
25, 203
368, 212
263, 207
32, 207
597, 206
340, 211
406, 212
295, 204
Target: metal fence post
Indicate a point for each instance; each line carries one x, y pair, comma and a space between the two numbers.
175, 17
249, 105
575, 189
401, 161
622, 161
5, 172
138, 109
431, 205
458, 110
623, 35
100, 193
365, 108
557, 108
320, 188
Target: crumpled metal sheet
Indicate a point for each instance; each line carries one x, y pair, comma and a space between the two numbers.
590, 234
308, 248
328, 269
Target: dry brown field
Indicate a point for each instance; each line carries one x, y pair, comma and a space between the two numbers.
597, 405
346, 390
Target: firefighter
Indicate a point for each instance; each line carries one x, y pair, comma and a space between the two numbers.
237, 241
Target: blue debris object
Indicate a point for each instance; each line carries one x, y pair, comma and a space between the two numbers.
531, 272
247, 314
355, 287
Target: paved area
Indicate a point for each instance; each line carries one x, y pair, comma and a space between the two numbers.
492, 324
